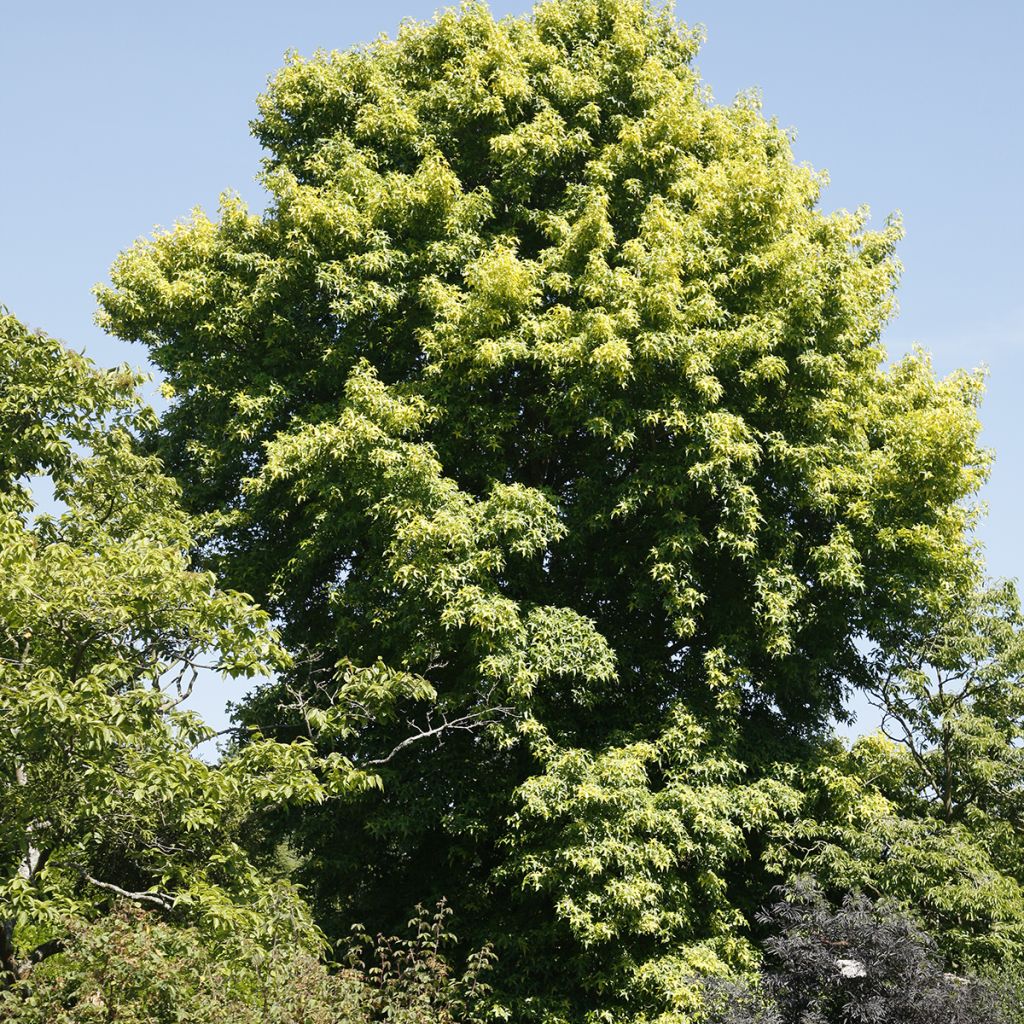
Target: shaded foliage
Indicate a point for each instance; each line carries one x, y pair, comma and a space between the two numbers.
858, 963
864, 962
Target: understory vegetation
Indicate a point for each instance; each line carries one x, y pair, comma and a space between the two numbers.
536, 456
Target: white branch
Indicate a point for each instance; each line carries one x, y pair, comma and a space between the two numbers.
162, 900
467, 723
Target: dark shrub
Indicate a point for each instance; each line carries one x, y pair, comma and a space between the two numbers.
860, 963
863, 963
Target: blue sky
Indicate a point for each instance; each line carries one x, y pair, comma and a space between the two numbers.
120, 116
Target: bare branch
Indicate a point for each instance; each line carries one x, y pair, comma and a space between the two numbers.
466, 723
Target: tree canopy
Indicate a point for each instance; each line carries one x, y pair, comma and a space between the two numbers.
545, 414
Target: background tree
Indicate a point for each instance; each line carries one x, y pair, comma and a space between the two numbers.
545, 402
952, 696
860, 828
928, 809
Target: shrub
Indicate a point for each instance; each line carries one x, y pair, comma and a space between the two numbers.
860, 963
136, 969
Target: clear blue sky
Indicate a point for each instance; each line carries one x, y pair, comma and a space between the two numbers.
119, 116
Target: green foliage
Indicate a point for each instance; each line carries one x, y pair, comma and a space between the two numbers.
104, 625
548, 414
627, 863
136, 970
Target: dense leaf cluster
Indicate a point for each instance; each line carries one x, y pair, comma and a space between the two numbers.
133, 969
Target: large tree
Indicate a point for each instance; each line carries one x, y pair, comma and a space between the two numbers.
549, 415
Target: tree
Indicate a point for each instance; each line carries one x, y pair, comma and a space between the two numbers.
928, 809
104, 625
549, 415
952, 696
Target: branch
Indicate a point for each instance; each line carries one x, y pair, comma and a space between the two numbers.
162, 900
467, 723
184, 692
42, 952
231, 730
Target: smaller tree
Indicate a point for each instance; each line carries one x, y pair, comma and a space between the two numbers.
952, 695
104, 625
409, 980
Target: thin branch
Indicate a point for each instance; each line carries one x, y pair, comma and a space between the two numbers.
184, 692
467, 723
232, 730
